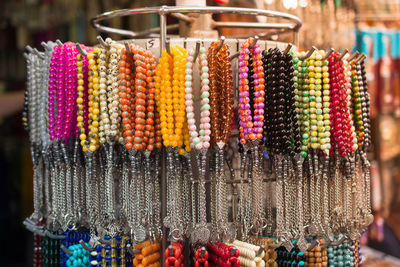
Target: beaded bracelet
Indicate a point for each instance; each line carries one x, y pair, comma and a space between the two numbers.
200, 139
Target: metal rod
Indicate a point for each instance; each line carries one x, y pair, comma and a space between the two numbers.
67, 251
288, 48
163, 29
83, 244
164, 10
309, 53
252, 25
221, 43
196, 51
182, 17
343, 54
168, 47
328, 53
39, 54
361, 58
254, 41
353, 56
29, 48
102, 42
127, 47
234, 56
80, 49
45, 46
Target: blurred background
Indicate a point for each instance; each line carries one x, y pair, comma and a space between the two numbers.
369, 26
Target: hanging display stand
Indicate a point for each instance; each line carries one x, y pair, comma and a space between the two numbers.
290, 24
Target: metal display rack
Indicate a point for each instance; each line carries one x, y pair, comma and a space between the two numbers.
293, 23
155, 39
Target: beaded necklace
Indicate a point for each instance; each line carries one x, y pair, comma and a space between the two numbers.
221, 116
170, 99
199, 141
251, 127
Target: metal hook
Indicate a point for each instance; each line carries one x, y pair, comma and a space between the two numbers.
338, 242
312, 245
234, 56
309, 53
197, 51
254, 41
277, 245
67, 251
328, 53
168, 47
353, 56
131, 251
83, 244
53, 236
102, 240
59, 43
29, 48
80, 49
288, 48
45, 46
102, 42
260, 250
221, 43
360, 58
343, 54
128, 48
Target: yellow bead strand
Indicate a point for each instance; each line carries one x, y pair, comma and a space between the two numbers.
94, 91
80, 101
170, 98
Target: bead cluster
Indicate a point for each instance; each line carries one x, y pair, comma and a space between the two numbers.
51, 252
317, 257
79, 257
251, 127
340, 116
295, 257
340, 255
280, 105
149, 254
287, 103
170, 99
250, 255
356, 106
173, 255
71, 242
221, 93
302, 101
221, 254
198, 139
